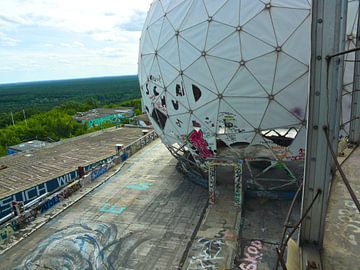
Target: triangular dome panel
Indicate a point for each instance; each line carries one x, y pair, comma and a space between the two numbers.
292, 97
261, 26
217, 67
170, 52
289, 70
197, 14
176, 15
244, 84
200, 73
286, 21
216, 33
229, 13
188, 53
229, 48
253, 47
298, 44
277, 116
264, 69
250, 9
196, 36
154, 31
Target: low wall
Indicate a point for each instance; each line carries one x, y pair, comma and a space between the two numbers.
96, 169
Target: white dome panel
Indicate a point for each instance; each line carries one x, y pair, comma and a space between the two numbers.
230, 71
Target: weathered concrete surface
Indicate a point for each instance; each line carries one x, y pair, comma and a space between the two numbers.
342, 228
142, 218
215, 244
25, 170
261, 230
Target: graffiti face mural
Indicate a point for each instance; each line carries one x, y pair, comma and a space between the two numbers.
86, 246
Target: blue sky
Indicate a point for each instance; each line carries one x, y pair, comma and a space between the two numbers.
61, 39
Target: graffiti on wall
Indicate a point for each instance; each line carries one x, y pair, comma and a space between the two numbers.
89, 245
6, 232
25, 218
98, 172
60, 196
350, 223
35, 192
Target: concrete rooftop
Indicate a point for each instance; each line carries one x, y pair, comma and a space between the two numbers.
141, 218
25, 170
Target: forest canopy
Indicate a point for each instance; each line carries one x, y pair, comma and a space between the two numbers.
49, 110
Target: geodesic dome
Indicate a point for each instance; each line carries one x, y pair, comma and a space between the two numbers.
227, 73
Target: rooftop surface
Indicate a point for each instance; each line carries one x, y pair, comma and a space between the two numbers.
100, 112
25, 170
342, 227
30, 145
141, 218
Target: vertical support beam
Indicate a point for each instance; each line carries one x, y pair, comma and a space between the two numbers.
355, 106
327, 38
212, 183
238, 189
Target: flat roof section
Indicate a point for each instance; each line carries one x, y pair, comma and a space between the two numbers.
100, 112
25, 170
30, 145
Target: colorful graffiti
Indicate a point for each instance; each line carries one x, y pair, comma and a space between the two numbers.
28, 216
197, 140
112, 209
98, 172
141, 186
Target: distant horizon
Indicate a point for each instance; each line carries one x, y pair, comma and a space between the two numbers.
67, 79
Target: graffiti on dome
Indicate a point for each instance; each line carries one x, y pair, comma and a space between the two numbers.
196, 139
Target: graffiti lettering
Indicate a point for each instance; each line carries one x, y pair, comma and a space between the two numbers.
196, 139
350, 223
96, 173
50, 203
252, 255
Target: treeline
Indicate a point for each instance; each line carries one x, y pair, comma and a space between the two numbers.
55, 124
37, 97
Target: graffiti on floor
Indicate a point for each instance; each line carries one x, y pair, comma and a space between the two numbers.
141, 186
350, 222
112, 209
208, 254
88, 246
252, 256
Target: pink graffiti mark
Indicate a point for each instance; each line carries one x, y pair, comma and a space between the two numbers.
252, 255
196, 139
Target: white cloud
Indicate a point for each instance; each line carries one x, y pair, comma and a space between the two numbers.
7, 41
98, 37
